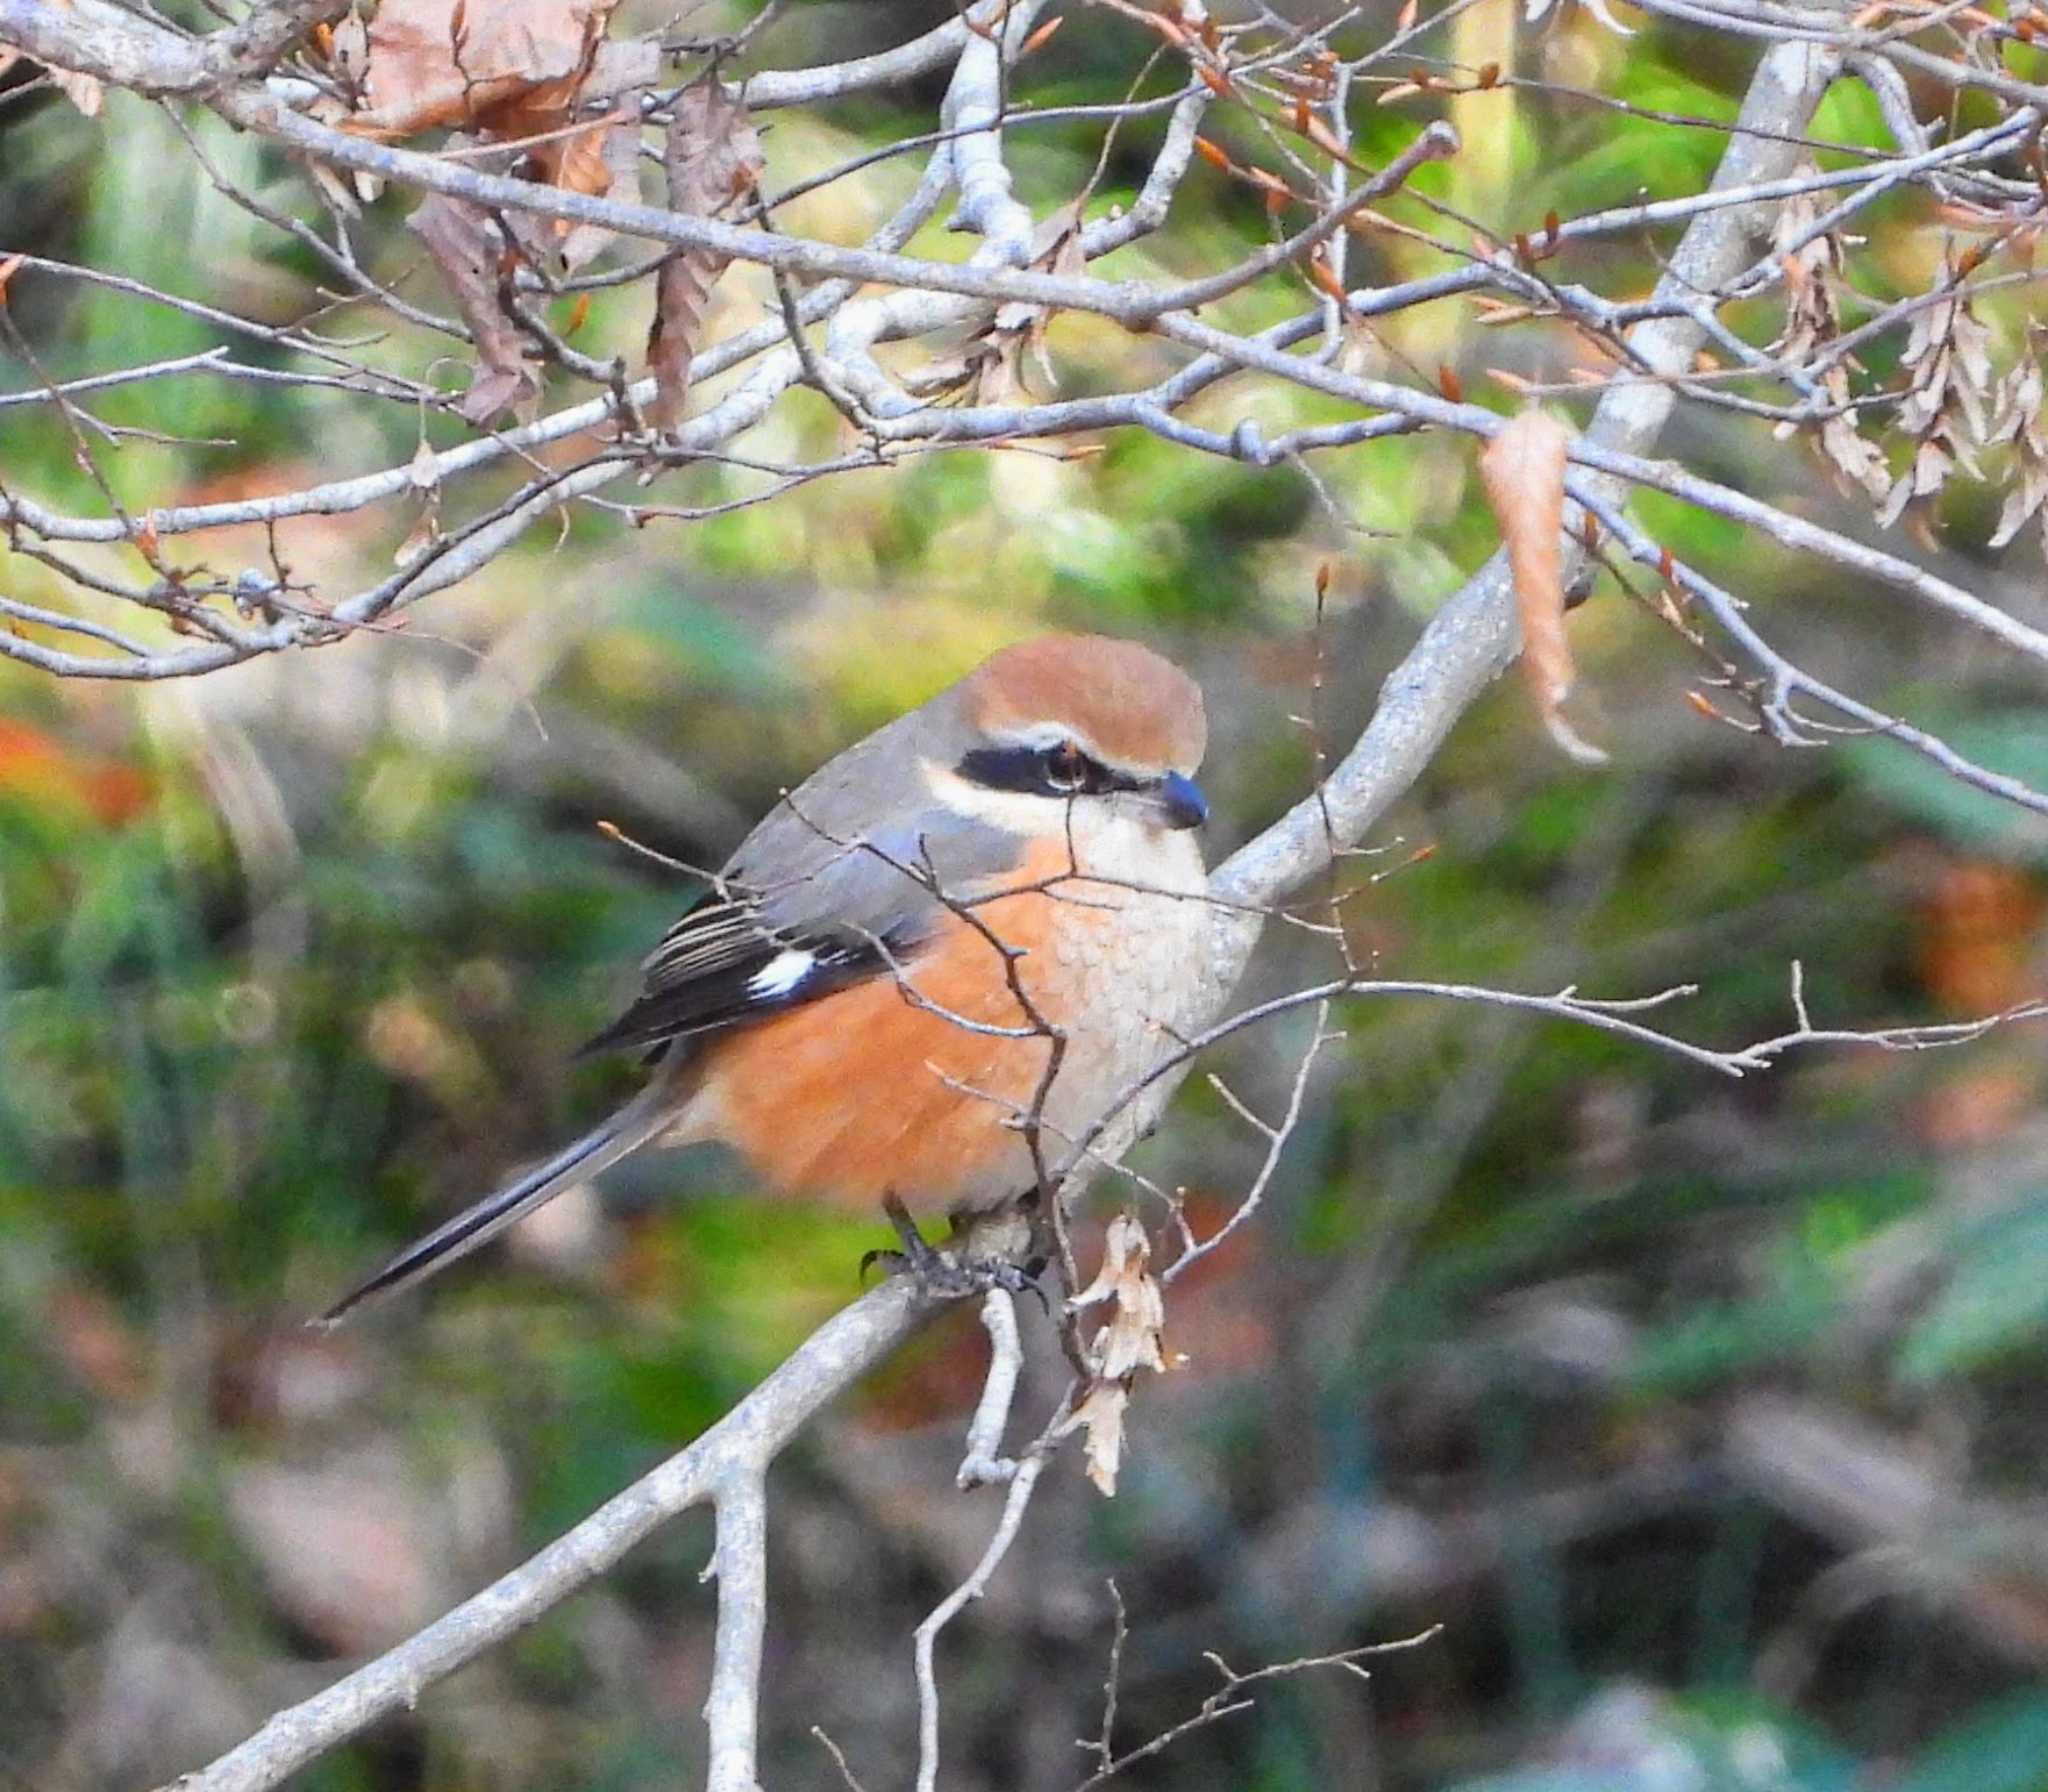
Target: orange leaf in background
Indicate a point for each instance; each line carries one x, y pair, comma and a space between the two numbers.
95, 1344
1042, 36
39, 768
577, 164
939, 1376
1324, 278
1523, 472
92, 1340
1167, 29
1224, 1301
1976, 944
1971, 1109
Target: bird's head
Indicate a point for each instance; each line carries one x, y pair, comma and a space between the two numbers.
1063, 725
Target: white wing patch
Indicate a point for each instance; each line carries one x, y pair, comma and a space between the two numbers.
781, 974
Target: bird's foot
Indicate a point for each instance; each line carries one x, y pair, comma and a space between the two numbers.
950, 1274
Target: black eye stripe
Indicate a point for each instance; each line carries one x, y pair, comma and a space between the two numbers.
1028, 769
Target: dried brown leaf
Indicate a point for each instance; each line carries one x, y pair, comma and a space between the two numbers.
1324, 278
713, 157
1326, 140
1523, 472
1894, 506
459, 239
2019, 406
1101, 1416
1131, 1339
1932, 464
83, 91
603, 161
2023, 501
430, 62
1856, 457
424, 533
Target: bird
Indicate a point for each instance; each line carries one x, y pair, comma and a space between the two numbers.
866, 1001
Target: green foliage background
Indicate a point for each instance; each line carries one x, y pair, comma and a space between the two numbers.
292, 961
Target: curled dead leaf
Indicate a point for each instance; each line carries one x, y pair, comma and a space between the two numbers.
459, 238
425, 532
1130, 1340
83, 91
1101, 1417
1522, 470
423, 471
713, 157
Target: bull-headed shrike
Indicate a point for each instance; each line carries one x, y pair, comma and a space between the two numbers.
864, 1005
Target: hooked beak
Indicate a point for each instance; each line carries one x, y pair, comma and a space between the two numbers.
1182, 801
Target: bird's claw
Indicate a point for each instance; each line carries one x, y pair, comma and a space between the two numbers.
947, 1275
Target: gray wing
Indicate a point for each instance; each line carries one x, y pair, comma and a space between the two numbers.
803, 909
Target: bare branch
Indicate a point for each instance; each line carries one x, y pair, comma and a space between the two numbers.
739, 1446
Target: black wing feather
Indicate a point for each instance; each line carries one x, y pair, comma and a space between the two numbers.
704, 975
855, 910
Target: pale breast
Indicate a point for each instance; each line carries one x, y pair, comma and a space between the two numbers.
867, 1091
1131, 961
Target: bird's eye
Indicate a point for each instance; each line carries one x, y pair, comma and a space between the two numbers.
1066, 766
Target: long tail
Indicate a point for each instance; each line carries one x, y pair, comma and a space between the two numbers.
611, 1139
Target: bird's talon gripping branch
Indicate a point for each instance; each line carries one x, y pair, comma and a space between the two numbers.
950, 1274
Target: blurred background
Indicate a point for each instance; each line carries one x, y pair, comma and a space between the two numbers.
1705, 1416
